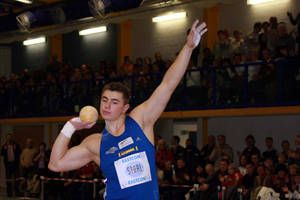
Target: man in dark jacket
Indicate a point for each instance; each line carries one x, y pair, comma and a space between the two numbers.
11, 154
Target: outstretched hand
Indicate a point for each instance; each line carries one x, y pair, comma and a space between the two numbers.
78, 124
195, 34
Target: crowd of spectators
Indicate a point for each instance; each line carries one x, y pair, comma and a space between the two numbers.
211, 168
64, 88
25, 167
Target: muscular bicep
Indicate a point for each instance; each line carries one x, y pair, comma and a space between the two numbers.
74, 158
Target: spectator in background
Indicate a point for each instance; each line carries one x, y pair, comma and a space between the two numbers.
238, 45
242, 167
220, 150
270, 152
253, 77
296, 21
281, 179
11, 155
26, 158
255, 159
252, 39
262, 179
41, 159
177, 149
163, 154
297, 150
208, 57
208, 148
283, 38
192, 154
263, 36
194, 90
285, 145
283, 159
160, 62
127, 67
251, 148
223, 48
269, 165
248, 180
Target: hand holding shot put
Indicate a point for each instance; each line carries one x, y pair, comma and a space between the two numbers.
126, 145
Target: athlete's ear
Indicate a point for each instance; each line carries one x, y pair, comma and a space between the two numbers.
126, 107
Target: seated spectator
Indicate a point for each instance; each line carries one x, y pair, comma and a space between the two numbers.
270, 152
199, 174
281, 179
248, 181
262, 179
283, 159
159, 62
177, 149
251, 148
255, 159
297, 150
242, 166
209, 189
163, 154
285, 145
232, 181
269, 165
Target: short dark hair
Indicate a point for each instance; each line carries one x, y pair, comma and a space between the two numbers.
269, 138
176, 138
250, 137
118, 87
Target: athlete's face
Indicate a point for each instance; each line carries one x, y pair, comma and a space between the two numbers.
112, 105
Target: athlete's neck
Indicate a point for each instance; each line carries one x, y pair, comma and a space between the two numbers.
116, 127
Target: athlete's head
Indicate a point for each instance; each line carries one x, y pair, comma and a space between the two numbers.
114, 100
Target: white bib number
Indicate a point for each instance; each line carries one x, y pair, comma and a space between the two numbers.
133, 170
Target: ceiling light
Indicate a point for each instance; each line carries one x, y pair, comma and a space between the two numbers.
93, 30
254, 2
34, 41
25, 1
173, 16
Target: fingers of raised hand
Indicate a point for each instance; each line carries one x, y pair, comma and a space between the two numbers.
201, 29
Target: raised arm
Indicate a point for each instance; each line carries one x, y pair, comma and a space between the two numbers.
149, 111
64, 159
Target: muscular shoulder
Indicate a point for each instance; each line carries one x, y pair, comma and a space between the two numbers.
92, 143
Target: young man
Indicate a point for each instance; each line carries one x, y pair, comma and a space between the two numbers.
126, 145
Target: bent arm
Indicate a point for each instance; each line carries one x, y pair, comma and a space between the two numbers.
64, 159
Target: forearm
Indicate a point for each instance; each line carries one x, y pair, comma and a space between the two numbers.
175, 73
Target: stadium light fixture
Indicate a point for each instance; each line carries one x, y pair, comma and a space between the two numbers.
93, 30
25, 1
34, 41
173, 16
254, 2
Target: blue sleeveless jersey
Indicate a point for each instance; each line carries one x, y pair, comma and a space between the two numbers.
128, 164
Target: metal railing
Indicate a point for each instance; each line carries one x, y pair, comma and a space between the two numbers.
216, 87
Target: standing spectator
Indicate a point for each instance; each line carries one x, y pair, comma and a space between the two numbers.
238, 42
283, 38
41, 159
297, 150
255, 159
163, 154
192, 154
160, 62
11, 154
208, 148
177, 149
252, 39
223, 48
26, 158
251, 148
220, 150
270, 152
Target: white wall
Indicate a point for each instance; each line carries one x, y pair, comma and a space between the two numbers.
237, 15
